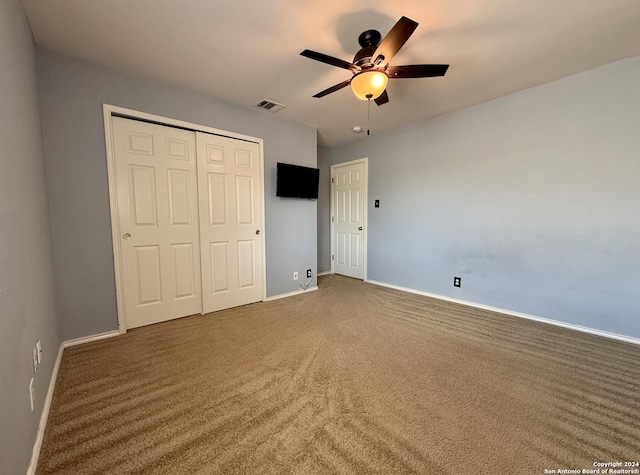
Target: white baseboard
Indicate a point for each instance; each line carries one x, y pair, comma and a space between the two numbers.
290, 294
328, 272
593, 331
35, 454
88, 339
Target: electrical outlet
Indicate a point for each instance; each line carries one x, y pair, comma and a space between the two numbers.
32, 396
457, 281
295, 276
309, 274
39, 348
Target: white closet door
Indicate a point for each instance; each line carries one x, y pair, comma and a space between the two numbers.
349, 191
156, 186
230, 203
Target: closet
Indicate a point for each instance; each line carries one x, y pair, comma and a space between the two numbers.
187, 211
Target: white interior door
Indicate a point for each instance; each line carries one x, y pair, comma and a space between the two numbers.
156, 187
230, 199
349, 190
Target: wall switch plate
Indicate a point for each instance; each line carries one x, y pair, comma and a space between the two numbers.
32, 396
309, 274
457, 281
39, 348
376, 203
295, 276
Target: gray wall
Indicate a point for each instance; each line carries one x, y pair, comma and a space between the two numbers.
532, 199
324, 210
72, 93
27, 303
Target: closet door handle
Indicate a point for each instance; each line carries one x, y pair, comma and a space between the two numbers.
126, 236
257, 231
359, 228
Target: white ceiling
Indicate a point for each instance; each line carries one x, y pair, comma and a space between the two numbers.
243, 51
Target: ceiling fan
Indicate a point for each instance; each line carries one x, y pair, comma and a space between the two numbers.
370, 67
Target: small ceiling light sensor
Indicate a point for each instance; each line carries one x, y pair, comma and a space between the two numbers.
356, 129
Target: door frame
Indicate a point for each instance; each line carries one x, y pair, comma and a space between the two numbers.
109, 111
365, 161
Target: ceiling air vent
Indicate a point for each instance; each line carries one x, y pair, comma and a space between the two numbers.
270, 106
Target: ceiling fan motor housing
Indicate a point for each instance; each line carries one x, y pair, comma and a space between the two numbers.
369, 41
363, 57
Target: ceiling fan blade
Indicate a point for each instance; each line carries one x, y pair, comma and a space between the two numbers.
382, 98
335, 88
324, 58
417, 71
395, 39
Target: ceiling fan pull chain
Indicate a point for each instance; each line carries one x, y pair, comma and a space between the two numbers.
369, 96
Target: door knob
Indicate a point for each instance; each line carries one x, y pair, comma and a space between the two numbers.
126, 236
359, 228
257, 231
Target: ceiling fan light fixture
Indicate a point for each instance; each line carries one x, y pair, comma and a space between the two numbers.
369, 84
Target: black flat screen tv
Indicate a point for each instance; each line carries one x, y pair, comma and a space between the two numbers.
294, 181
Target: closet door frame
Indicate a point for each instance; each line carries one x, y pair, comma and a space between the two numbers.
108, 112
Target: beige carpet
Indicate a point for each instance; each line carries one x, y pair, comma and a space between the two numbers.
352, 378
